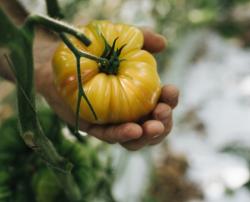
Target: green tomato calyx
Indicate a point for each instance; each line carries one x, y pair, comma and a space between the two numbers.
112, 55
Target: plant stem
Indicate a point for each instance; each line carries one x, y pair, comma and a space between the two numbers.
57, 26
53, 9
20, 43
80, 53
81, 94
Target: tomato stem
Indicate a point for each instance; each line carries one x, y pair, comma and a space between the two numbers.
57, 26
80, 53
81, 94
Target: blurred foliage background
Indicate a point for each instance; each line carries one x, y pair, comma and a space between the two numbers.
205, 159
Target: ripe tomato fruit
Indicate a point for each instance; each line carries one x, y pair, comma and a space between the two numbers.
124, 90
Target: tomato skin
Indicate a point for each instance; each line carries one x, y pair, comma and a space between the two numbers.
126, 96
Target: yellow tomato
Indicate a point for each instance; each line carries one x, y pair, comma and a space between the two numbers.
125, 90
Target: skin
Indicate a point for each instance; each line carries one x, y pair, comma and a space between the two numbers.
132, 136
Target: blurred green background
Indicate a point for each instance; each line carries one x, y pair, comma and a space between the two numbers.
207, 156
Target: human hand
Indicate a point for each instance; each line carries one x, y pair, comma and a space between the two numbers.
133, 136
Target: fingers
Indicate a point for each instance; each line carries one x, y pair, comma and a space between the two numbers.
170, 95
151, 130
154, 131
163, 113
116, 133
133, 136
153, 42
